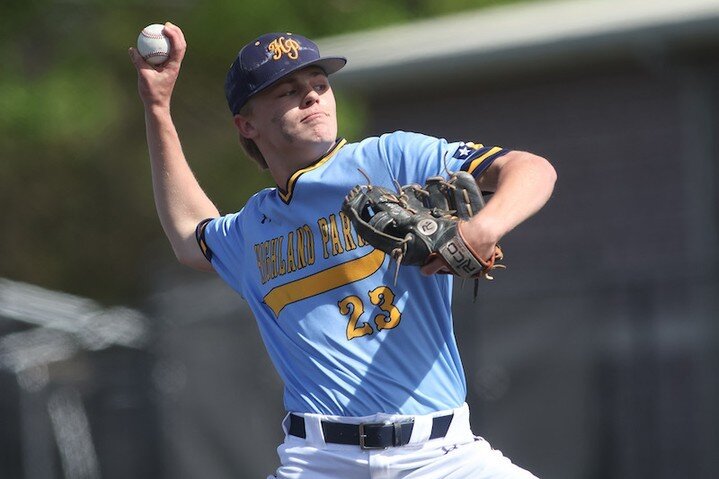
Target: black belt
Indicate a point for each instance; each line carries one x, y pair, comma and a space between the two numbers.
370, 435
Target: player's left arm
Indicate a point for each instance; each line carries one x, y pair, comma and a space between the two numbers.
522, 183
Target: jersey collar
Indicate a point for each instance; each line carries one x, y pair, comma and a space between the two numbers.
286, 193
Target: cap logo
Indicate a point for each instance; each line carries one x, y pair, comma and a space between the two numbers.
280, 46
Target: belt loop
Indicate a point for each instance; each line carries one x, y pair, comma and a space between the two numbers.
421, 430
459, 428
313, 428
397, 440
286, 423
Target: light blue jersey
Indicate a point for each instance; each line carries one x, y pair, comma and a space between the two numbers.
344, 338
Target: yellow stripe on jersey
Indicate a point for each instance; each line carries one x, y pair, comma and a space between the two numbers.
478, 161
286, 197
318, 283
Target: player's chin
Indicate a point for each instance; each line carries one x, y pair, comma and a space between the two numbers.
322, 133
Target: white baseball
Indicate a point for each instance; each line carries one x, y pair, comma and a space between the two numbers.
153, 45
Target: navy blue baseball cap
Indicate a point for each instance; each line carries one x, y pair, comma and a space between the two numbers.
267, 59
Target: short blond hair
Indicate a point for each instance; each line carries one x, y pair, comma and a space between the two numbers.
249, 146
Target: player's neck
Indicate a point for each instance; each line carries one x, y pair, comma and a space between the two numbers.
283, 164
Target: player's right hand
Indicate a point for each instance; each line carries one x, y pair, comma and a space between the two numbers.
156, 83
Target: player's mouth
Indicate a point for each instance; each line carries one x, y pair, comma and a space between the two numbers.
313, 116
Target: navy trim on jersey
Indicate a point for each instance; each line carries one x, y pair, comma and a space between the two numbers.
200, 237
479, 160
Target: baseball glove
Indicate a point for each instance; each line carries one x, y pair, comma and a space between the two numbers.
416, 224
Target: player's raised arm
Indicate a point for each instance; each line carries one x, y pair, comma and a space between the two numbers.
181, 203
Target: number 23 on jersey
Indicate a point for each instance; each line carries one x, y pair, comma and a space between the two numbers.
353, 306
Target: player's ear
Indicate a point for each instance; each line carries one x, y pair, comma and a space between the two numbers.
245, 126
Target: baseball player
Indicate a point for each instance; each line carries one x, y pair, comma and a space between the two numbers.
374, 385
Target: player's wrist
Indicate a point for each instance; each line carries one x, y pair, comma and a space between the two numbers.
481, 231
156, 109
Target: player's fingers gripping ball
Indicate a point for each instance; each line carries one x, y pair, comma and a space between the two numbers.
153, 45
416, 224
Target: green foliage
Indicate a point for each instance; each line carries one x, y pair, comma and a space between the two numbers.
69, 106
74, 176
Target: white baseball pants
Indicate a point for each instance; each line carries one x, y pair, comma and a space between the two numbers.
459, 455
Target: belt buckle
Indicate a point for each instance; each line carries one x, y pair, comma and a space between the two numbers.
362, 436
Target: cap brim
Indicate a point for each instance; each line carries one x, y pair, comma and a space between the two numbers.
330, 65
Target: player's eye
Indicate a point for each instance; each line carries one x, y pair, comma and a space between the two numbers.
321, 87
289, 92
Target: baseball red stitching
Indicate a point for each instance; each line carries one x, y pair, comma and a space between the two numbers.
155, 54
156, 36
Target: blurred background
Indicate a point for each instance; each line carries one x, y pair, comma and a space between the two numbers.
594, 355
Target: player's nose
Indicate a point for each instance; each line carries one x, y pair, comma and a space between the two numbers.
311, 97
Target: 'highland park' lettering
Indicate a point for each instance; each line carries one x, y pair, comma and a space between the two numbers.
277, 258
280, 46
286, 254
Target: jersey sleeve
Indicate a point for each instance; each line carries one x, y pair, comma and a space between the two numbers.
221, 241
414, 157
